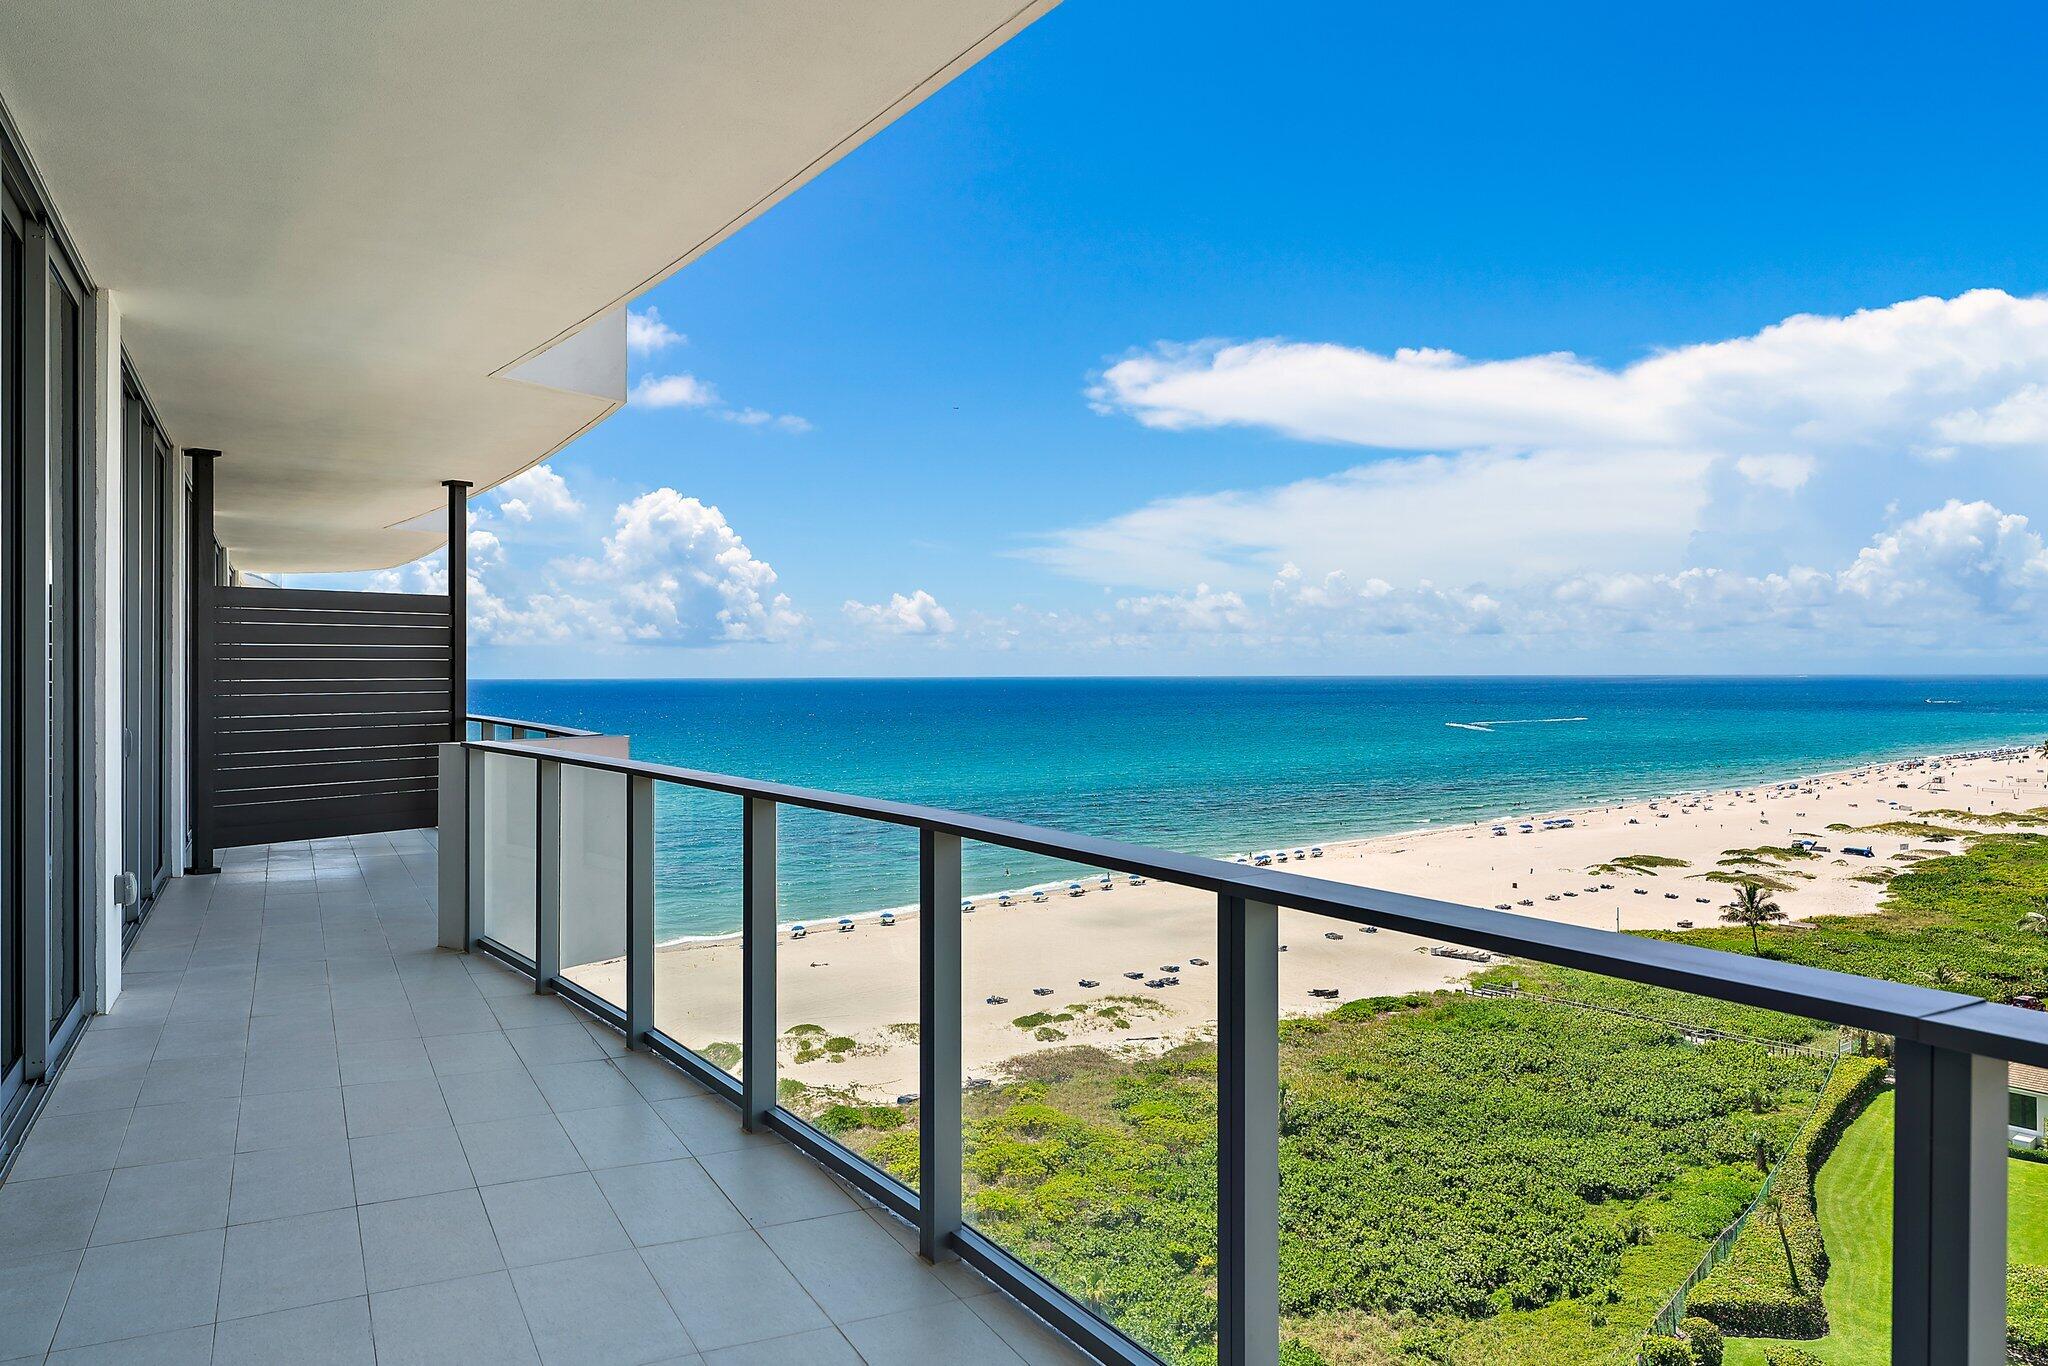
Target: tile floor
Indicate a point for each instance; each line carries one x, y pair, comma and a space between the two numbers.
305, 1134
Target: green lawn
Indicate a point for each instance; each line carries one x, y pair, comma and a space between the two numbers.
1854, 1197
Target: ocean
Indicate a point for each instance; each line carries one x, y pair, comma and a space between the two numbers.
1214, 766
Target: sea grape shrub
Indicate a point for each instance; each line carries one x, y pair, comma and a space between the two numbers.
1448, 1159
1484, 1155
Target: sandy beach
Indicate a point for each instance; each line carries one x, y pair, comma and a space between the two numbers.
862, 986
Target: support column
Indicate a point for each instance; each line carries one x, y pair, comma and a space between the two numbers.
757, 951
479, 848
452, 848
938, 1055
639, 910
1948, 1208
199, 707
458, 607
1247, 1132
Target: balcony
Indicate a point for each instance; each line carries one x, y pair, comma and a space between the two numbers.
306, 1134
434, 1097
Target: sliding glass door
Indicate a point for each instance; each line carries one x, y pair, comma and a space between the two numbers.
12, 329
146, 530
45, 943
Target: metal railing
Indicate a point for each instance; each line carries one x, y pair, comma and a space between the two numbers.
510, 728
1952, 1050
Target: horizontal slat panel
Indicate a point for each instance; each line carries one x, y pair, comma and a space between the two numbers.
327, 708
327, 599
381, 799
237, 634
320, 772
339, 621
260, 737
330, 709
248, 669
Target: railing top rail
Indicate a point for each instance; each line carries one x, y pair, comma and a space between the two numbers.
1945, 1019
552, 731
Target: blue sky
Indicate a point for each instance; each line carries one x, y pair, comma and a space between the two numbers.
1100, 351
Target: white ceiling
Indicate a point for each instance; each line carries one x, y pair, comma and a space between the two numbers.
331, 226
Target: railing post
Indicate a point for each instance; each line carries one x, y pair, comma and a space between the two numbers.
938, 1056
202, 751
547, 891
1247, 1132
479, 851
757, 952
1948, 1208
639, 910
458, 606
452, 848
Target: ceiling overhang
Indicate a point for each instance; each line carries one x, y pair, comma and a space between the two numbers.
364, 246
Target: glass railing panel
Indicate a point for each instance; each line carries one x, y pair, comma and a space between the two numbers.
1089, 1108
699, 876
593, 886
1486, 1159
510, 854
847, 978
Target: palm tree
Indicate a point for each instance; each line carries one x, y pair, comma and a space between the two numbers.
1752, 907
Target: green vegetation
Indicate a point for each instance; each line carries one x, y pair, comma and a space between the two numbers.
1477, 1180
1752, 909
2006, 819
1767, 881
1464, 1179
1774, 853
722, 1054
1951, 922
1919, 830
1639, 863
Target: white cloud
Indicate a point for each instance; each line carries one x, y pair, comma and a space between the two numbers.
2018, 419
1532, 469
537, 492
1916, 371
1785, 473
646, 333
1201, 612
1475, 516
673, 391
1945, 576
1961, 558
917, 615
687, 391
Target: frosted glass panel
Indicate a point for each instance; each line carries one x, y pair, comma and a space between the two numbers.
594, 881
510, 856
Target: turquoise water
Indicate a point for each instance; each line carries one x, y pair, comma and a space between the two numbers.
1214, 766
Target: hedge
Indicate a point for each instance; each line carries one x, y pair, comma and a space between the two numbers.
1748, 1294
1664, 1352
1791, 1356
1704, 1339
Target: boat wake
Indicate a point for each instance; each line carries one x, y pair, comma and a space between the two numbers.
1486, 727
